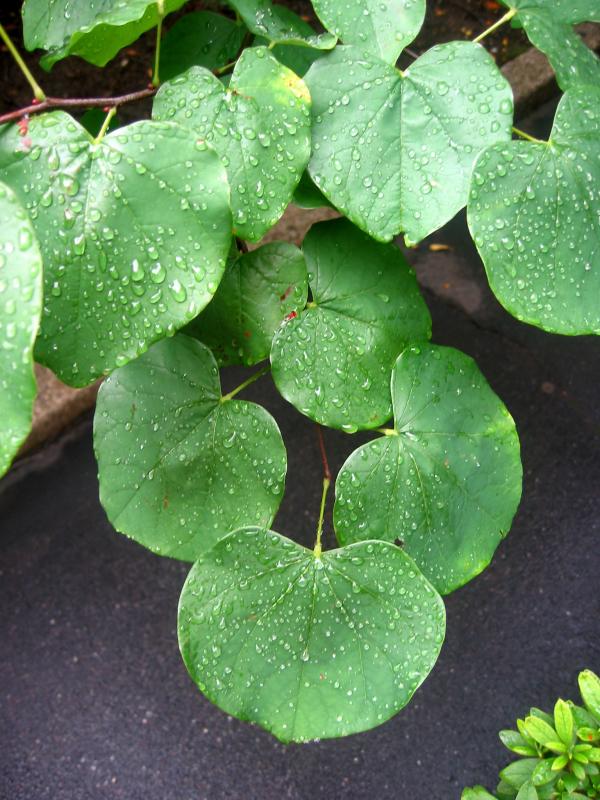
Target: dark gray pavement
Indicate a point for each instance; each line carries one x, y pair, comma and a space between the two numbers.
95, 702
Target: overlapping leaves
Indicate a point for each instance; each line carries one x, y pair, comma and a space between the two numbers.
446, 480
394, 151
333, 361
258, 291
95, 30
20, 308
180, 465
549, 26
133, 248
534, 213
308, 647
259, 125
279, 25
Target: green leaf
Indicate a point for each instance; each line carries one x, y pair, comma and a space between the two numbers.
447, 478
527, 792
382, 28
588, 734
515, 742
540, 730
95, 31
589, 686
133, 249
180, 466
549, 27
539, 714
308, 647
394, 152
20, 308
333, 361
308, 195
476, 793
279, 25
93, 120
260, 126
519, 772
560, 762
534, 215
543, 774
203, 39
505, 791
563, 722
259, 289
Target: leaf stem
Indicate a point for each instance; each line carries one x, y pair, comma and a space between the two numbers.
323, 451
526, 136
318, 548
101, 133
222, 70
506, 18
161, 15
246, 383
387, 431
38, 92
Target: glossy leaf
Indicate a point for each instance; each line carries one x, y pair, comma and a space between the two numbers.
202, 39
20, 308
180, 466
307, 647
563, 722
589, 686
259, 289
133, 248
549, 27
280, 25
382, 28
260, 126
95, 31
527, 792
446, 480
519, 772
394, 151
534, 213
333, 361
476, 793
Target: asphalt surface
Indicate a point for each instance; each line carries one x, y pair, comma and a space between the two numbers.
95, 702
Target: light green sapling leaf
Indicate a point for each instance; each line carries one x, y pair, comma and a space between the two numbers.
134, 248
382, 28
514, 741
179, 465
534, 213
446, 480
20, 309
308, 647
96, 30
280, 25
563, 722
549, 27
540, 730
258, 291
476, 793
202, 39
589, 686
527, 792
519, 772
333, 361
259, 125
394, 151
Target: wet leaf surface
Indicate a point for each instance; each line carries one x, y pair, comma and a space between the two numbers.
334, 360
279, 24
132, 248
306, 647
179, 467
394, 152
534, 214
20, 308
447, 480
259, 125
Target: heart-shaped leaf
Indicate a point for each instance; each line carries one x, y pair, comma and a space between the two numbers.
280, 25
179, 465
446, 480
394, 151
382, 28
334, 360
259, 289
549, 27
534, 213
260, 126
308, 647
95, 31
20, 308
202, 39
135, 233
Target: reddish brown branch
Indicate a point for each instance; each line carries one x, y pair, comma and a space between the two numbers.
326, 470
77, 102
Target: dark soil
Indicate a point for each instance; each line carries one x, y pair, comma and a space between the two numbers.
131, 69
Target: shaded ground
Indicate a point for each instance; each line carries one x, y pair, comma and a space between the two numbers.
95, 703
